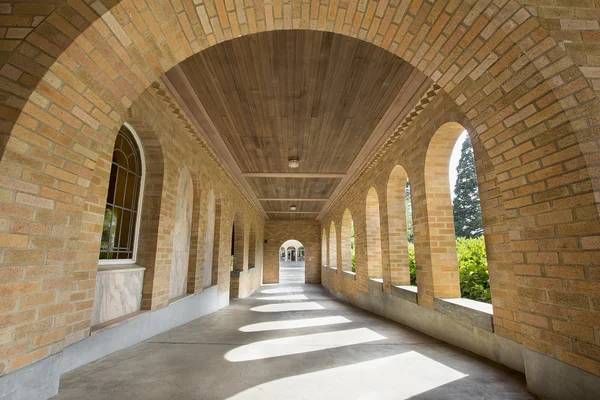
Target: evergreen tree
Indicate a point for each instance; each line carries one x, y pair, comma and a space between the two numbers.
467, 209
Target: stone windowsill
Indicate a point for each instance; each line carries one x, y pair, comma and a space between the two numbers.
179, 298
115, 322
115, 268
467, 311
406, 292
376, 283
251, 269
236, 273
350, 275
333, 268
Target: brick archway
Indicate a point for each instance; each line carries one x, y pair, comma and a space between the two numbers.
71, 83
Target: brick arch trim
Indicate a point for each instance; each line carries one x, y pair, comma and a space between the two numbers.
72, 82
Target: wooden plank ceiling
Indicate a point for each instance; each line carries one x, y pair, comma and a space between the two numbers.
326, 99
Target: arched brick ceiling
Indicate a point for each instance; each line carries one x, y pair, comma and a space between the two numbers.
318, 96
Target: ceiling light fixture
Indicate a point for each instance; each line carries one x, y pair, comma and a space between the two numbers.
293, 208
293, 162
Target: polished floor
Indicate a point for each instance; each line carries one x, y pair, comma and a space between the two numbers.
291, 272
292, 341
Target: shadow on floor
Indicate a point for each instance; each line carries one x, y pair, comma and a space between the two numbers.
292, 341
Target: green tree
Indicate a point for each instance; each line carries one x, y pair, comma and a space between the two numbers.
409, 221
467, 209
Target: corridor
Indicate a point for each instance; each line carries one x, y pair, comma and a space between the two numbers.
292, 341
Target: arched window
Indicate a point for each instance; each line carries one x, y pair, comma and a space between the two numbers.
450, 153
398, 210
123, 201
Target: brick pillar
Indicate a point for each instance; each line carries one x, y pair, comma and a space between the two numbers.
333, 261
396, 227
345, 242
373, 225
198, 239
433, 220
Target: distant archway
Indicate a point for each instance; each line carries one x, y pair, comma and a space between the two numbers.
291, 262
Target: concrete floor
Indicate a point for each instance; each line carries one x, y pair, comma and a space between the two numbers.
291, 272
292, 341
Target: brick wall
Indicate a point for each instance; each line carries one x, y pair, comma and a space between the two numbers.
70, 71
306, 232
59, 312
538, 290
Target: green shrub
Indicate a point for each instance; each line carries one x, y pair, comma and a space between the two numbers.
473, 269
412, 265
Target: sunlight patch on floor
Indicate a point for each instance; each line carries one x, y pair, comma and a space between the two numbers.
395, 377
301, 344
285, 297
281, 307
293, 324
290, 289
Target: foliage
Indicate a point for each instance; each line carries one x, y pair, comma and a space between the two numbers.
467, 210
412, 265
473, 269
409, 221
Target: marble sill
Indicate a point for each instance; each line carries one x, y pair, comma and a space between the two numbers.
375, 284
324, 266
406, 292
350, 275
118, 268
179, 298
251, 269
333, 268
115, 322
468, 311
236, 273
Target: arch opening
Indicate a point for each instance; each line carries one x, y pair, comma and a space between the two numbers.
454, 216
292, 266
399, 211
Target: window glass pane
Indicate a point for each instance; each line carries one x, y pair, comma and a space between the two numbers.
120, 189
129, 201
127, 146
120, 159
111, 186
118, 231
125, 230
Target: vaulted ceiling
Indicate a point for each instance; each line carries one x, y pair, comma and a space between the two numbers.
327, 99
